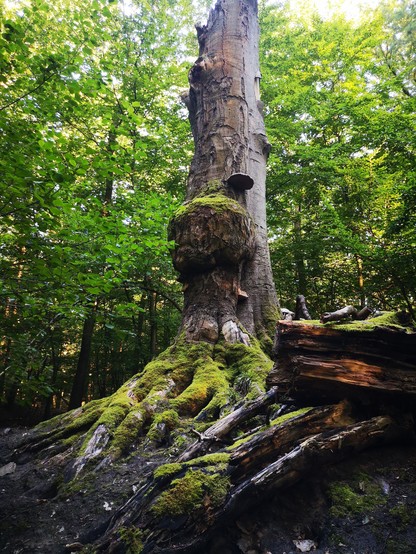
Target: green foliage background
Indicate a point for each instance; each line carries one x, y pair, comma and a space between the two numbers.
95, 146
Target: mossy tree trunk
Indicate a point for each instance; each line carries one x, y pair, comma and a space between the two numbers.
222, 251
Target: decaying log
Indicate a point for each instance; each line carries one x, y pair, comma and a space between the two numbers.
277, 440
321, 364
255, 471
364, 313
315, 451
339, 314
224, 426
301, 310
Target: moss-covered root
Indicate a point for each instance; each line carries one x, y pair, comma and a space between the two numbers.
180, 494
182, 381
189, 380
63, 430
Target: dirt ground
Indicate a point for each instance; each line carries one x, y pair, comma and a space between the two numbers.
366, 505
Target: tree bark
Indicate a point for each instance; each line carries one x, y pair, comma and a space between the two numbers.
221, 236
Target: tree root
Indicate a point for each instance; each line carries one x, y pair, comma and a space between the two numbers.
186, 386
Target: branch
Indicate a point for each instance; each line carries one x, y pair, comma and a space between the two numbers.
16, 100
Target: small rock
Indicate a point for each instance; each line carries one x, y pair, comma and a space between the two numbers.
7, 469
305, 545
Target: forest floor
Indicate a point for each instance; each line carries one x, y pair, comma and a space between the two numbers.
365, 505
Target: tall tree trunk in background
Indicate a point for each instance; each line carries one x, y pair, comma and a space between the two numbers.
55, 372
298, 254
221, 236
81, 375
363, 300
153, 324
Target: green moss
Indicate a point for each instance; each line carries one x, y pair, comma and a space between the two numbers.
394, 320
167, 470
132, 538
189, 493
88, 415
188, 379
275, 422
249, 363
266, 333
291, 415
212, 187
114, 413
360, 497
155, 374
212, 462
404, 515
169, 418
128, 431
217, 201
72, 416
239, 442
208, 390
210, 459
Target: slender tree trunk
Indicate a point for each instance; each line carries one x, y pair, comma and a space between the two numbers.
153, 324
221, 234
81, 376
5, 364
298, 254
55, 371
363, 299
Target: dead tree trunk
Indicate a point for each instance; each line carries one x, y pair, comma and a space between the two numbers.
221, 236
324, 364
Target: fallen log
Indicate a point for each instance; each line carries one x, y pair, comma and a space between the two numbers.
364, 313
363, 360
225, 425
266, 446
168, 523
343, 313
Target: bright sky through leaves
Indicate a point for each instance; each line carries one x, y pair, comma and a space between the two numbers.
328, 8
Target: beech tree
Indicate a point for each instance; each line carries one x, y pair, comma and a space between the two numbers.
212, 381
221, 234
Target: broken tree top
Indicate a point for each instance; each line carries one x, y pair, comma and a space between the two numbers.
359, 360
